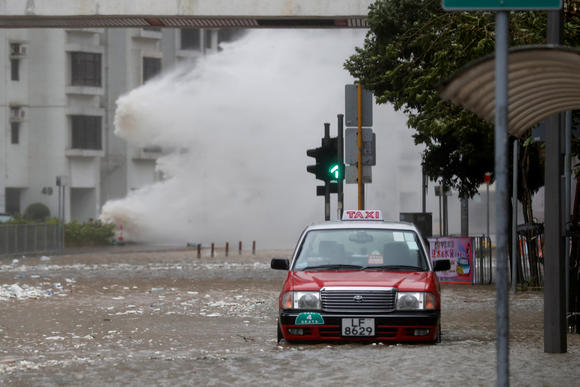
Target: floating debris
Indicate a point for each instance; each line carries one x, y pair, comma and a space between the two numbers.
15, 291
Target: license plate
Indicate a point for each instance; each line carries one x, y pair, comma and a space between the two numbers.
358, 327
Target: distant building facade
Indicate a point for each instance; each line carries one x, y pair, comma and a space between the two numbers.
57, 106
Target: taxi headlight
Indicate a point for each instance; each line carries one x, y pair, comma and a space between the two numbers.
415, 301
301, 300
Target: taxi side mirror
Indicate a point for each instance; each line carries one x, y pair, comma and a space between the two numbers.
280, 263
442, 265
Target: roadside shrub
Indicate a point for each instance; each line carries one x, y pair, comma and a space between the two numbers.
88, 234
20, 219
38, 212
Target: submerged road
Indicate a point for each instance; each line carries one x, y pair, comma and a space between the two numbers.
133, 318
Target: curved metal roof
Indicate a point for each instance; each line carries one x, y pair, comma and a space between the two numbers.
543, 80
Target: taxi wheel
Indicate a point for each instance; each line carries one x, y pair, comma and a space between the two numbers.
280, 337
438, 339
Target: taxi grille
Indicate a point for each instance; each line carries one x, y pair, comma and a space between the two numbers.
358, 300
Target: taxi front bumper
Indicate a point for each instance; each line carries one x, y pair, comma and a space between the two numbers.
416, 326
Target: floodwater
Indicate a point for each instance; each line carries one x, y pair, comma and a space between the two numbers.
167, 318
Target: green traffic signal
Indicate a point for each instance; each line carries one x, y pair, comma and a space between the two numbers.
335, 171
327, 167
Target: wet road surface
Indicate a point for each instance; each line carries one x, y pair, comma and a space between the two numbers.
168, 318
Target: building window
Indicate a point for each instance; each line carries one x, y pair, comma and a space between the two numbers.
15, 132
12, 200
190, 39
17, 51
207, 34
15, 69
230, 34
85, 69
151, 67
86, 132
16, 113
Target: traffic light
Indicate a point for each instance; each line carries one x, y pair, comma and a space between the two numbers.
316, 168
327, 167
333, 169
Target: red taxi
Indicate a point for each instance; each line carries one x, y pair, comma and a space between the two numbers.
360, 279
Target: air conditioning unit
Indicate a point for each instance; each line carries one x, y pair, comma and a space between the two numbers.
18, 49
16, 113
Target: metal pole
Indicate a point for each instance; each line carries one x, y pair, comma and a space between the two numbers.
424, 187
515, 217
361, 205
64, 203
63, 216
340, 190
568, 183
440, 218
501, 222
326, 201
326, 183
59, 201
555, 327
464, 216
445, 210
487, 194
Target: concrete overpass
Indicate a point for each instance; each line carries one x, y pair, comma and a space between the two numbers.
184, 13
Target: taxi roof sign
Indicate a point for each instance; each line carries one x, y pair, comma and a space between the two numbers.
362, 215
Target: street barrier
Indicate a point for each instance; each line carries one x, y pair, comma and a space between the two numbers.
213, 248
31, 238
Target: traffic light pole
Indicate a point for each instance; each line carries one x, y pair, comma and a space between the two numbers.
329, 167
340, 141
326, 183
361, 187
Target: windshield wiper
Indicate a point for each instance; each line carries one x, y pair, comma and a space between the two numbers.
333, 267
394, 267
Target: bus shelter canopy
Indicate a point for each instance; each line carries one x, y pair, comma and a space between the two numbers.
543, 80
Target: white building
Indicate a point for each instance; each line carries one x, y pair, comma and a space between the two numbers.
57, 106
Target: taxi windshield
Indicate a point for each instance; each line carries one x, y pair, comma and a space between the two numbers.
362, 249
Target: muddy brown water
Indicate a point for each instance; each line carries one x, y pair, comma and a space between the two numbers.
168, 318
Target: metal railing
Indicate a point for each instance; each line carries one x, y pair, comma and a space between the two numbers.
31, 238
530, 257
482, 260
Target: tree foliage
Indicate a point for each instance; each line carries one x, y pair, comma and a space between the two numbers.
411, 48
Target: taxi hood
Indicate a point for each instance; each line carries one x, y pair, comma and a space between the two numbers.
315, 280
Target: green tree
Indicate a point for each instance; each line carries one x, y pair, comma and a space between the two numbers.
411, 47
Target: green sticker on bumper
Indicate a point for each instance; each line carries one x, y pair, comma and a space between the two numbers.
309, 318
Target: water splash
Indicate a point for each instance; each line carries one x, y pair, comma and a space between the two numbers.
239, 123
